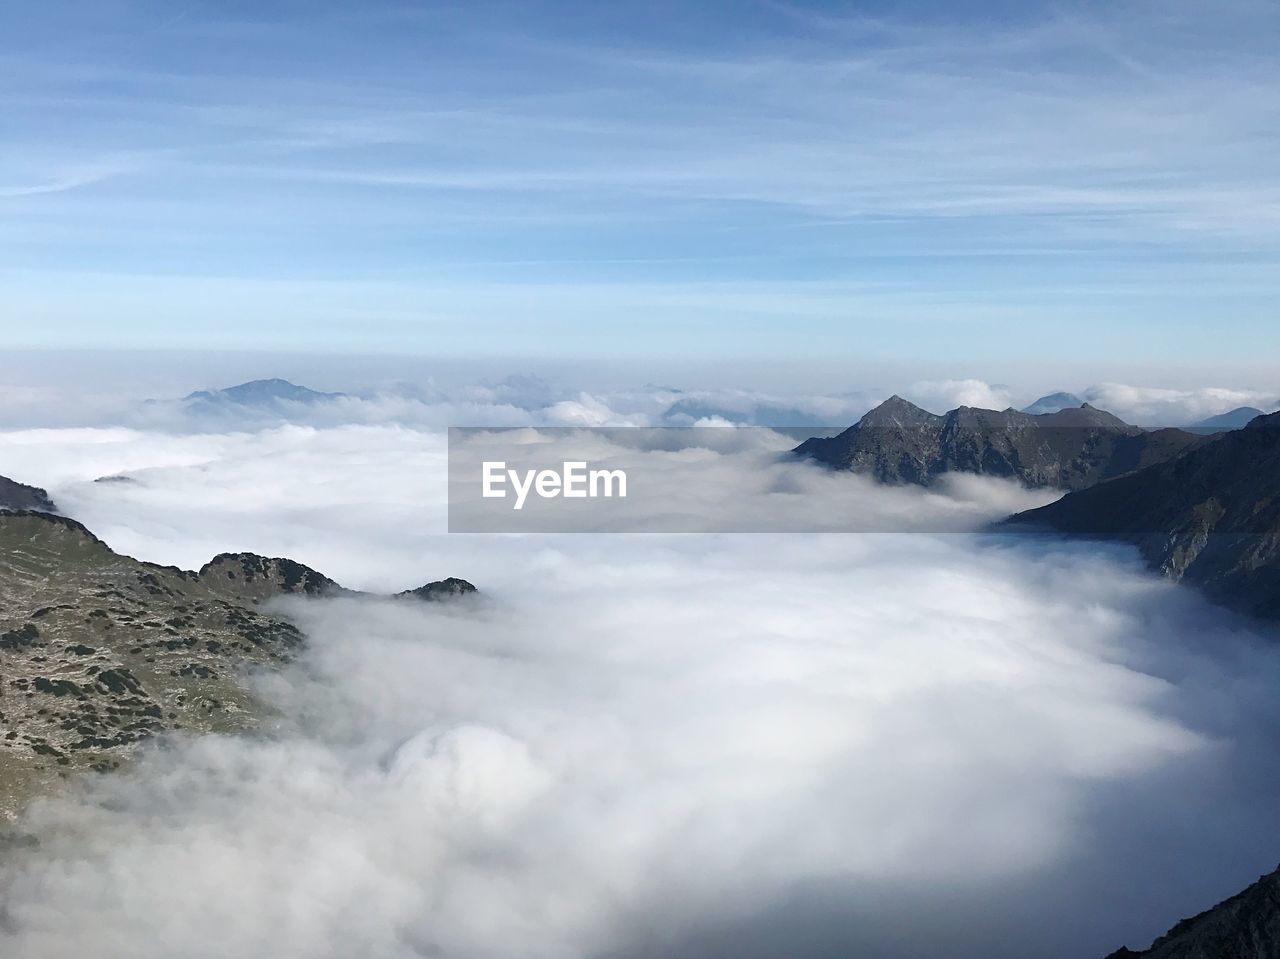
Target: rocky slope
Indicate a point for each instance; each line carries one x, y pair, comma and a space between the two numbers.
99, 651
1246, 926
15, 496
1210, 517
898, 442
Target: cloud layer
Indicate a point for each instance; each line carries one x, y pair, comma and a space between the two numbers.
897, 744
142, 394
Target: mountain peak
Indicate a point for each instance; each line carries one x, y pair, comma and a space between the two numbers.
1086, 415
1071, 448
895, 411
265, 392
1052, 403
1230, 420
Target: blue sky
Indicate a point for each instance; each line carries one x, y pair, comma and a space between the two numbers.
984, 183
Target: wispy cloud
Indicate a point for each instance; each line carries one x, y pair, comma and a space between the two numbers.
1109, 138
69, 179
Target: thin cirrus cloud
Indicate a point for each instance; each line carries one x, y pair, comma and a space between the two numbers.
67, 182
1011, 171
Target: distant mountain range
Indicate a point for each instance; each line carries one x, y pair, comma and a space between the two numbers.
1204, 509
1231, 420
687, 411
100, 651
1235, 419
270, 394
1074, 448
1053, 403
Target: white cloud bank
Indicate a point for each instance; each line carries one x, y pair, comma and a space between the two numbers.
888, 746
1159, 406
529, 400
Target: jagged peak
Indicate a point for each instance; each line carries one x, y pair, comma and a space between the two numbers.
896, 411
1052, 403
1085, 415
251, 567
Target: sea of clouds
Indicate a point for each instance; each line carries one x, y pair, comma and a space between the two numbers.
819, 745
520, 400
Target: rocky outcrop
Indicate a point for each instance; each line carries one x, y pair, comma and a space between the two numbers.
1210, 517
256, 394
100, 652
1246, 926
250, 576
1054, 402
17, 496
441, 589
899, 443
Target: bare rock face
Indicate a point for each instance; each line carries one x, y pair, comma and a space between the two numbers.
248, 575
1210, 518
1246, 926
100, 652
900, 443
18, 496
441, 589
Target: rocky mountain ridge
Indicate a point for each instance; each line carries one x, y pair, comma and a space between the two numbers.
1246, 926
100, 652
900, 443
1210, 517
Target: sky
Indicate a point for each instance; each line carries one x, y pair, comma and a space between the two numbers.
750, 182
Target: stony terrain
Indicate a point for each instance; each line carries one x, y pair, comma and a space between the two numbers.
1246, 926
100, 652
1071, 449
1210, 518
